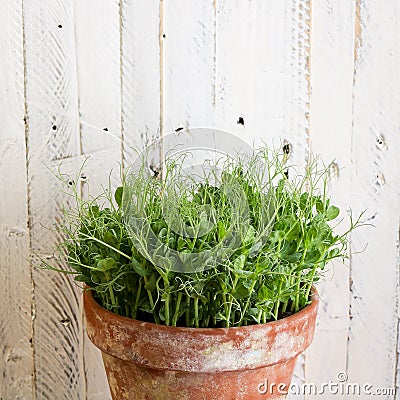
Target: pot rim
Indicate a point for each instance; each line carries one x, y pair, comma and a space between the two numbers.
200, 349
151, 325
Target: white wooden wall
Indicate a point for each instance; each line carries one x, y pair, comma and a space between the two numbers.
93, 78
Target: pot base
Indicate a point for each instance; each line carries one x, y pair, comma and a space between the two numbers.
153, 384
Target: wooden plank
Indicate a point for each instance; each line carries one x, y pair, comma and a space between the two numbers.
16, 363
188, 65
141, 75
188, 89
99, 77
397, 386
332, 65
100, 128
52, 136
262, 72
263, 88
376, 183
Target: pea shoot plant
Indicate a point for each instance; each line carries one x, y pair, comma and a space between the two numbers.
242, 245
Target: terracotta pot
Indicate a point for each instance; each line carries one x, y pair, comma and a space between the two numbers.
145, 361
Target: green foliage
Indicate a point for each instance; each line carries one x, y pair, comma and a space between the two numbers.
268, 269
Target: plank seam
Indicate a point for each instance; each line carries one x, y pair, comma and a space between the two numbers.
121, 82
161, 45
215, 57
356, 44
308, 77
78, 91
357, 32
308, 118
28, 205
396, 372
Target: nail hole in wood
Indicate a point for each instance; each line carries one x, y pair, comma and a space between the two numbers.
105, 129
164, 36
71, 182
154, 170
60, 26
83, 177
65, 321
380, 179
381, 143
287, 148
372, 217
240, 121
54, 127
178, 129
333, 170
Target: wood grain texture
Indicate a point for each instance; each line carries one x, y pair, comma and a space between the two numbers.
262, 71
141, 75
262, 66
53, 138
99, 81
16, 361
376, 183
332, 65
189, 64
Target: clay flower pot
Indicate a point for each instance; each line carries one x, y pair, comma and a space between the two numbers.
145, 361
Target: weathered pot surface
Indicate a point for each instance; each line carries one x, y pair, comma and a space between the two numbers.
145, 361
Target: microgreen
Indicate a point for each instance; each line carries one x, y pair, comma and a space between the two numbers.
243, 245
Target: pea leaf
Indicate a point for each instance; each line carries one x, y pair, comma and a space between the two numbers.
255, 249
319, 205
139, 268
150, 284
264, 294
238, 264
332, 213
118, 195
312, 256
106, 264
81, 278
240, 291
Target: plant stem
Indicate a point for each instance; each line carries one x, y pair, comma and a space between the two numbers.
277, 304
311, 281
196, 312
156, 318
207, 318
136, 305
295, 305
284, 306
111, 291
214, 318
259, 316
167, 310
177, 307
226, 310
246, 306
187, 310
231, 302
264, 317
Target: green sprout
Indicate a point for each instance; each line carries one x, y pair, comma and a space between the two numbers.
242, 245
